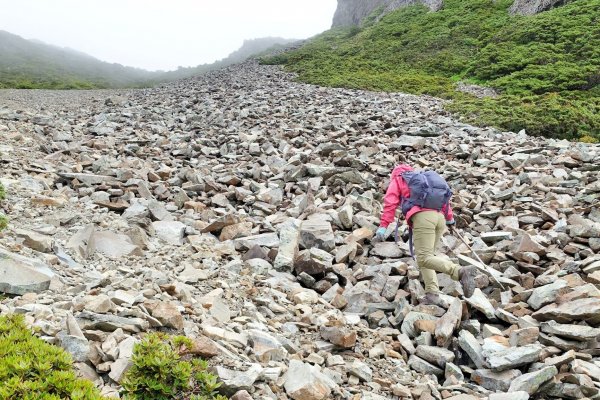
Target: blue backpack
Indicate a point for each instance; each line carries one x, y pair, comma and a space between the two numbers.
427, 190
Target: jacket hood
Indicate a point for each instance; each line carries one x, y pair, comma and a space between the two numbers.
402, 168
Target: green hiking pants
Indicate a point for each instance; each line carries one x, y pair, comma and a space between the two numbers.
428, 228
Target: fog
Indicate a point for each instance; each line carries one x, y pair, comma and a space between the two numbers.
160, 34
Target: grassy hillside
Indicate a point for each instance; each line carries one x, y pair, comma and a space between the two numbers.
29, 64
546, 67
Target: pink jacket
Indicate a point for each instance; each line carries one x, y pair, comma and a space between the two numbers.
397, 190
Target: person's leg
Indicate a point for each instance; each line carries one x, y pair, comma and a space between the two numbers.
428, 227
424, 240
440, 228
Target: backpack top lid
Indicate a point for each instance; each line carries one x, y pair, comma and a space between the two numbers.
428, 189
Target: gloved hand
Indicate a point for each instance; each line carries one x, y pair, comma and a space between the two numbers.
380, 234
451, 223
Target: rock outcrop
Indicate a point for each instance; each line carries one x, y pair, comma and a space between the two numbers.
531, 7
353, 12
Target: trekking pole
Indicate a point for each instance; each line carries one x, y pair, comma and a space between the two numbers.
485, 267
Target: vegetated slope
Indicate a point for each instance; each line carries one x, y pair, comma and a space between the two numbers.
31, 64
546, 67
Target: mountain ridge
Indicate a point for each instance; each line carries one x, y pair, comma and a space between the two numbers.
34, 64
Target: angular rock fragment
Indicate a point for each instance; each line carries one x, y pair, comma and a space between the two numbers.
532, 381
20, 275
514, 357
306, 382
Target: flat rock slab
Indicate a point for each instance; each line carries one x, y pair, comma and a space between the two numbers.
387, 250
20, 275
110, 323
587, 309
576, 332
115, 245
532, 381
514, 357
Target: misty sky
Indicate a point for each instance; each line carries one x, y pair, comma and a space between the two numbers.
162, 34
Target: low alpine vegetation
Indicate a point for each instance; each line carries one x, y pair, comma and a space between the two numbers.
3, 218
163, 370
33, 369
546, 67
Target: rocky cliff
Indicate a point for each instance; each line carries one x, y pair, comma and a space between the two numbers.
530, 7
352, 12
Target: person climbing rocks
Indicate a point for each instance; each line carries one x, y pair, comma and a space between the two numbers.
424, 199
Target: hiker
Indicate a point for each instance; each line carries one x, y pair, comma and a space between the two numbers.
426, 225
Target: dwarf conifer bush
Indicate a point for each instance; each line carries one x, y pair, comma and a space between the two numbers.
31, 369
3, 219
162, 371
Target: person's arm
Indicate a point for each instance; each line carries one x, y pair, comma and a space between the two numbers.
390, 201
449, 214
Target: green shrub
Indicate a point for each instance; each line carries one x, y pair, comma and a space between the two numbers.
160, 373
31, 369
551, 114
3, 218
545, 66
3, 222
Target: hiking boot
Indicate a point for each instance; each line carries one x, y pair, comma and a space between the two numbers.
466, 276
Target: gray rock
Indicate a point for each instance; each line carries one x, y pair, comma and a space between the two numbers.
266, 347
531, 7
109, 323
78, 347
82, 243
479, 301
171, 232
88, 179
20, 275
414, 142
435, 355
586, 309
114, 245
119, 368
316, 233
387, 250
234, 381
269, 240
422, 366
408, 325
576, 332
471, 346
545, 294
495, 381
361, 370
532, 381
313, 261
509, 396
289, 238
306, 382
514, 357
35, 241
